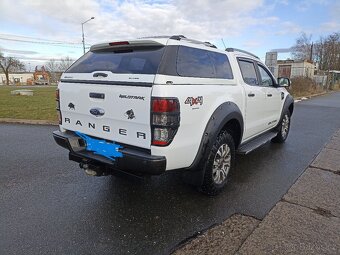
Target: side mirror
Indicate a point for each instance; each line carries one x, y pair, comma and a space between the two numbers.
283, 82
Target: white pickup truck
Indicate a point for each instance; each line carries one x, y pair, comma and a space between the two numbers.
152, 105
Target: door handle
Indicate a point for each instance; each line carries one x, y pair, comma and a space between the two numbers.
251, 95
269, 95
97, 95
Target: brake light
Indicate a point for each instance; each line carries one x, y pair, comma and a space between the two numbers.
165, 105
119, 43
165, 119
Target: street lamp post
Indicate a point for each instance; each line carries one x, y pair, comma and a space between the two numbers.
82, 31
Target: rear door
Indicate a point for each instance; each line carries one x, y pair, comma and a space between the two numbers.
107, 92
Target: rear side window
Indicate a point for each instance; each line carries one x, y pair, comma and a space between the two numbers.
222, 65
141, 61
192, 62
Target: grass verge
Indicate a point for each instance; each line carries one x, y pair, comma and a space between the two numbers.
40, 106
305, 87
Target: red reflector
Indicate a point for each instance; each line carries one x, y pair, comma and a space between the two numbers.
165, 105
119, 43
159, 142
59, 117
57, 94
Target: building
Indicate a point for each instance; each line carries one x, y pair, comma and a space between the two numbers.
16, 78
289, 68
292, 68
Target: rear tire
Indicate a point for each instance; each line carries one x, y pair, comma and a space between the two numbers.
218, 164
284, 128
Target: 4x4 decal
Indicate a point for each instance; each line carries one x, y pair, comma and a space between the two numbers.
194, 100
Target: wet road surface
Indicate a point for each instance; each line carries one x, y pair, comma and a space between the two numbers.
49, 206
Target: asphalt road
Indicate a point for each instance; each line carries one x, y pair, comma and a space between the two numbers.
49, 206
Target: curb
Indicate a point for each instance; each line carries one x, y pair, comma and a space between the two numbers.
31, 122
313, 95
273, 234
293, 225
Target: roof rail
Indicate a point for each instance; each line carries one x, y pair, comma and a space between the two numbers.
155, 36
243, 51
177, 37
182, 37
210, 45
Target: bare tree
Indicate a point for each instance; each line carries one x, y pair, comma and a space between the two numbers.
319, 52
10, 64
327, 52
330, 53
65, 63
56, 67
52, 67
302, 49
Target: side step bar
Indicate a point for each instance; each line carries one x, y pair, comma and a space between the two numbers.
256, 142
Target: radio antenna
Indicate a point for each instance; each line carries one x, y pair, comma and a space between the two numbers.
223, 43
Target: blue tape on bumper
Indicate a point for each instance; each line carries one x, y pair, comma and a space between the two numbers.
101, 147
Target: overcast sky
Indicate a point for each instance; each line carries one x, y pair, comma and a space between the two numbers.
43, 29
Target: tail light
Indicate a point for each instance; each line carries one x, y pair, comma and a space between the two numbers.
57, 99
165, 119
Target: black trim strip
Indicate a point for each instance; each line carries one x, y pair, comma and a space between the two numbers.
122, 83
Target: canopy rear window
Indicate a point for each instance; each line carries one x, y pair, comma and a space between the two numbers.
135, 61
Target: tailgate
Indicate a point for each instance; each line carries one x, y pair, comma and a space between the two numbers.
107, 92
114, 112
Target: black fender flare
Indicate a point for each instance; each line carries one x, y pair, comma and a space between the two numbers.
220, 117
289, 102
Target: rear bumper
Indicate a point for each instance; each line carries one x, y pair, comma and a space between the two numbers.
133, 161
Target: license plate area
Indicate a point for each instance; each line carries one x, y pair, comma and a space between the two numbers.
100, 147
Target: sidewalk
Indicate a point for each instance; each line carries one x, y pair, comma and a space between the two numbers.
305, 221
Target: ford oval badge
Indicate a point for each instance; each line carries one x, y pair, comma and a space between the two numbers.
97, 112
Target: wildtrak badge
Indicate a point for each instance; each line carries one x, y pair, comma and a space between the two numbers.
131, 97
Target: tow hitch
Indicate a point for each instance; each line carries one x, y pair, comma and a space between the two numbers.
92, 170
